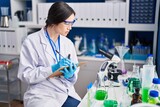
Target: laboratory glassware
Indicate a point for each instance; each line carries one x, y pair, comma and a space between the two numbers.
147, 77
136, 97
153, 97
122, 50
111, 101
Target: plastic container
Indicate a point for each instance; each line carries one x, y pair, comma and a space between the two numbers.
147, 75
29, 15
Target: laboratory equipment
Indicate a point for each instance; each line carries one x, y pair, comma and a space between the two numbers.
149, 60
122, 50
147, 77
135, 72
148, 70
125, 100
4, 17
10, 86
111, 101
92, 48
78, 40
136, 97
156, 85
153, 97
108, 70
101, 94
29, 15
133, 84
89, 93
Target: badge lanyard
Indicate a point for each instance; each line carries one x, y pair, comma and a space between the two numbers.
52, 43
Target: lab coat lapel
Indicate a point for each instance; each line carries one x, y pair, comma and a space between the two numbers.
47, 47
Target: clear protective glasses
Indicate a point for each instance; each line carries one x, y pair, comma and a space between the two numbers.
69, 22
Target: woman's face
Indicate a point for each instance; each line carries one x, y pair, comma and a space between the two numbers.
63, 28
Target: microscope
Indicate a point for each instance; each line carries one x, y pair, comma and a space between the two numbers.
108, 70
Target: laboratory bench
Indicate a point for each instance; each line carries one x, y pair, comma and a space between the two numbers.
120, 93
88, 72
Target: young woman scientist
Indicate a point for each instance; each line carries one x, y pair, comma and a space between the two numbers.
39, 59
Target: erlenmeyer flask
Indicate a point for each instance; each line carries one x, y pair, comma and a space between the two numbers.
122, 50
111, 101
125, 100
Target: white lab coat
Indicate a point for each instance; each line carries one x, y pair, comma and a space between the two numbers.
36, 58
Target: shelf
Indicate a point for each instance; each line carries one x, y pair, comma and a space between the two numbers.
141, 27
103, 59
91, 58
21, 5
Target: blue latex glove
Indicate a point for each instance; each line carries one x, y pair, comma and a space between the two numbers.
63, 62
69, 72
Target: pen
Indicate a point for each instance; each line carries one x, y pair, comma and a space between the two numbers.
69, 55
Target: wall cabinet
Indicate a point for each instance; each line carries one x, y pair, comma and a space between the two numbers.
11, 40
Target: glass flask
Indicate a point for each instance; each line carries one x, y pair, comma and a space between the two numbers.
111, 101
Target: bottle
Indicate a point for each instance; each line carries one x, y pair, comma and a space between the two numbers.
29, 15
149, 60
92, 48
156, 85
126, 99
15, 21
106, 44
101, 42
153, 97
84, 42
136, 97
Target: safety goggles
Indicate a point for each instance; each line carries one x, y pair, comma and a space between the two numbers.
69, 22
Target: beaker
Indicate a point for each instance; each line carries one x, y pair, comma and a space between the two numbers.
147, 77
122, 50
101, 94
4, 11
